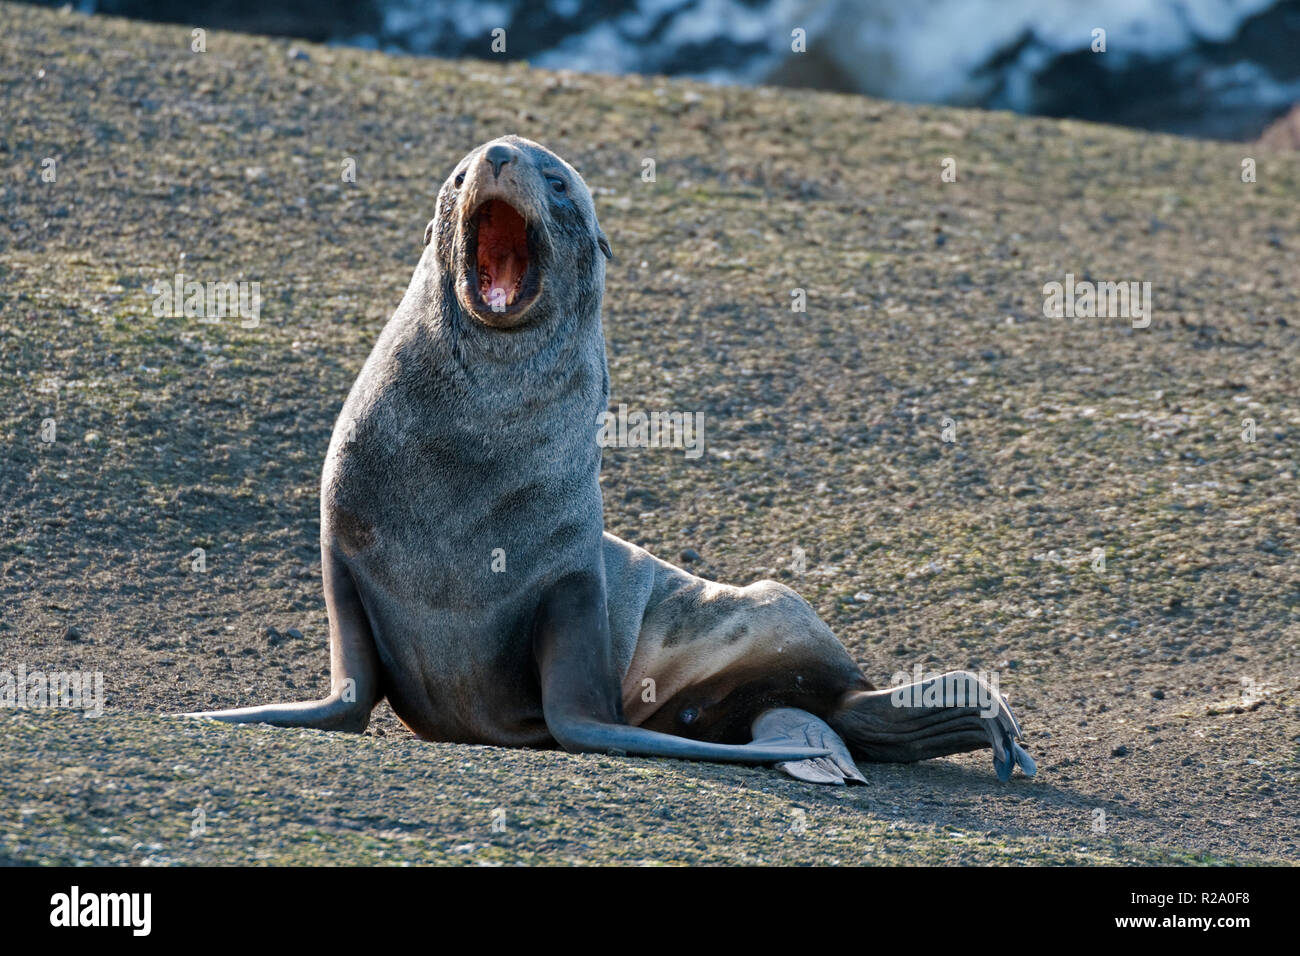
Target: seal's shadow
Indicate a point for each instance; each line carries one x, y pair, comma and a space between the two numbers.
934, 792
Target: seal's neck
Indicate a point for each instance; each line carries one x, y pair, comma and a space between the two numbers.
556, 359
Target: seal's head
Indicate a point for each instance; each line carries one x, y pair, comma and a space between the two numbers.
516, 234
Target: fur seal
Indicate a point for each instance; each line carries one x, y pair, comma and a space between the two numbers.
467, 573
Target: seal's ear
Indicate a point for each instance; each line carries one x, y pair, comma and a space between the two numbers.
604, 245
428, 230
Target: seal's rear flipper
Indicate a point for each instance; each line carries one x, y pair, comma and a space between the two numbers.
790, 727
948, 714
581, 695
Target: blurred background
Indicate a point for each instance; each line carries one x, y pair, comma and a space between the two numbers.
1222, 69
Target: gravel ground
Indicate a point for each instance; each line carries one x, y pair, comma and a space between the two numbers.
1159, 692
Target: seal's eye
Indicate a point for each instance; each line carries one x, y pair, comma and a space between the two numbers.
557, 184
460, 179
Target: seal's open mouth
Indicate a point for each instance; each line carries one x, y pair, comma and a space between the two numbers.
504, 278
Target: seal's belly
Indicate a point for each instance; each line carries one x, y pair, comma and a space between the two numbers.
450, 564
460, 668
460, 674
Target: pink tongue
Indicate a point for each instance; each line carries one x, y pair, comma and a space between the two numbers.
504, 276
502, 257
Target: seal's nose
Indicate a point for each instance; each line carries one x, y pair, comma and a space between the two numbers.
498, 156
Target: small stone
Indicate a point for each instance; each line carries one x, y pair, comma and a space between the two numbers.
91, 438
1158, 694
690, 555
274, 637
72, 634
1120, 751
296, 54
294, 633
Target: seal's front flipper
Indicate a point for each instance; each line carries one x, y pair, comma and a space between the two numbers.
581, 694
790, 727
354, 667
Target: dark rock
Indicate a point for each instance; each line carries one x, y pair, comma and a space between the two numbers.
1120, 751
318, 20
